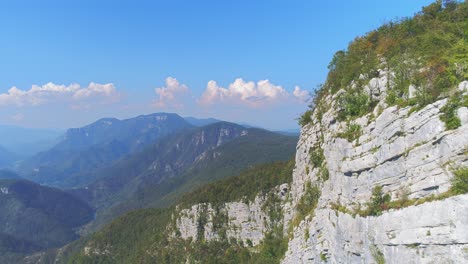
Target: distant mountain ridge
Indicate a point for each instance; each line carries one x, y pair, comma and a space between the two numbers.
201, 121
180, 163
82, 150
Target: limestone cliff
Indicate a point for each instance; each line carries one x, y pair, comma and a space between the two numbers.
401, 151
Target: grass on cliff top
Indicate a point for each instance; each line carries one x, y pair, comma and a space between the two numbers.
246, 186
428, 50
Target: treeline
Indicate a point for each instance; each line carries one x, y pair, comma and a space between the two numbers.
247, 185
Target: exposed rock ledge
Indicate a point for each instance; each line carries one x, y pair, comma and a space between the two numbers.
435, 232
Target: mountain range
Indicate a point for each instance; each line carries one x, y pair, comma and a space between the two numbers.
158, 175
69, 163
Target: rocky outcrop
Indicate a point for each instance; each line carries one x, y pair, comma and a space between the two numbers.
429, 233
245, 221
403, 151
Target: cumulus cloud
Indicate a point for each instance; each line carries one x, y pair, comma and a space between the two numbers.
249, 93
53, 92
300, 94
171, 95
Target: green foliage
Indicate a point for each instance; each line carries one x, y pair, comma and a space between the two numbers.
429, 50
307, 203
379, 202
306, 118
246, 186
338, 207
324, 173
377, 254
353, 103
272, 207
460, 181
323, 257
316, 156
353, 132
449, 111
202, 220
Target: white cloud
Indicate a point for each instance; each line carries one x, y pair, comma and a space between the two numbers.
53, 92
249, 93
96, 89
302, 95
171, 95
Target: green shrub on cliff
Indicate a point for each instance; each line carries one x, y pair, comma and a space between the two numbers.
428, 50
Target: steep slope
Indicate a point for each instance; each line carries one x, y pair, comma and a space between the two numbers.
83, 150
158, 175
380, 175
33, 217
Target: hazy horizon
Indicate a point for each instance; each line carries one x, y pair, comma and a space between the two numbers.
69, 64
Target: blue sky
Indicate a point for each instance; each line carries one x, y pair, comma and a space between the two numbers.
72, 62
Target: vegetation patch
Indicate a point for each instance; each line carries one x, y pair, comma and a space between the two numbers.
429, 50
307, 203
324, 173
250, 183
378, 256
353, 132
449, 111
354, 103
460, 181
316, 156
306, 118
323, 257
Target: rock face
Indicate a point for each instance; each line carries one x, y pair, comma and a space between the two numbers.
429, 233
247, 220
402, 150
